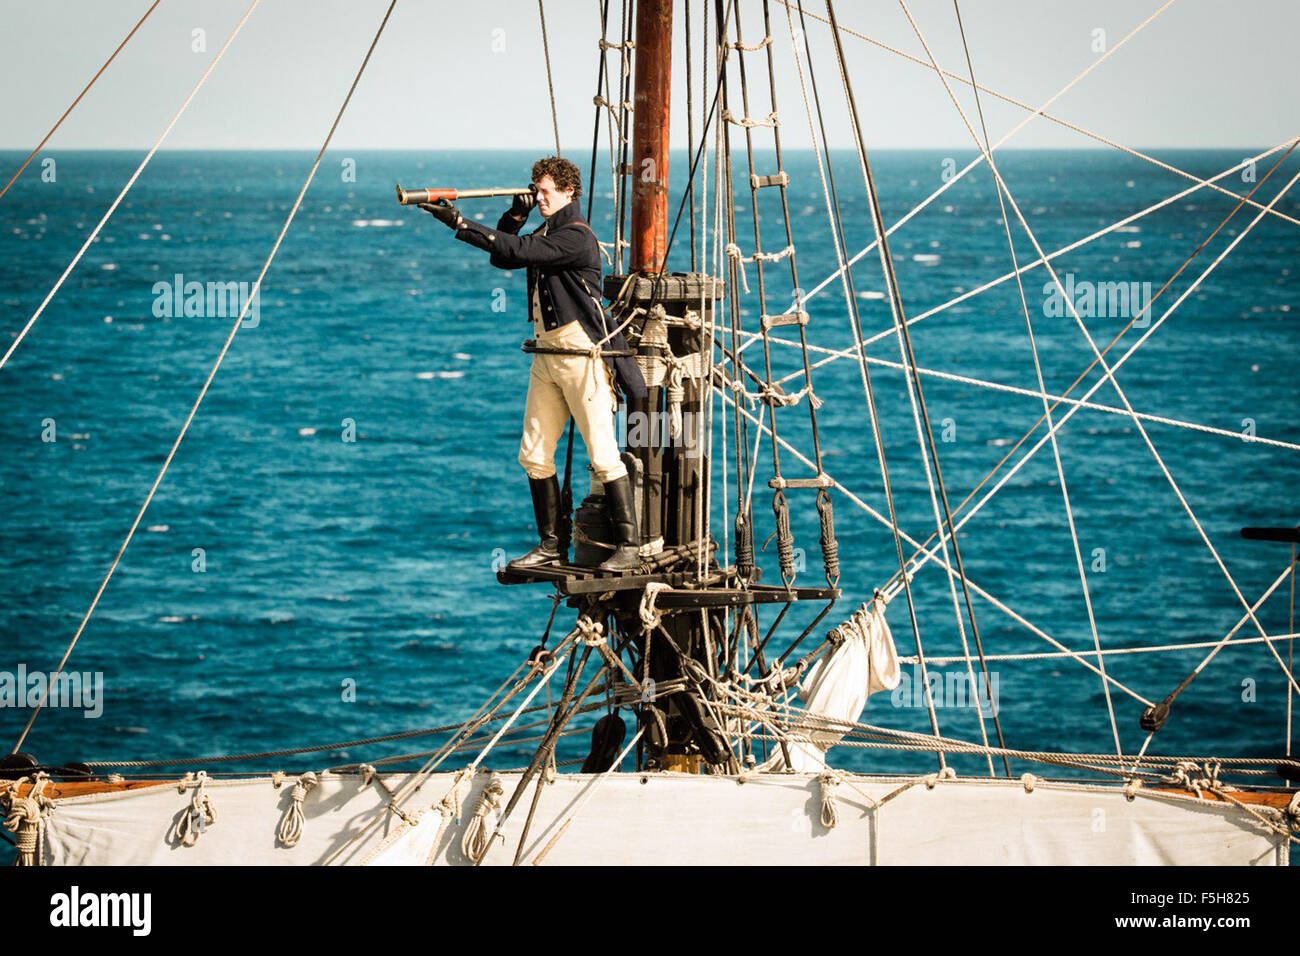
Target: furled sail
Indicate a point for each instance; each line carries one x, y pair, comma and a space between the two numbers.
838, 685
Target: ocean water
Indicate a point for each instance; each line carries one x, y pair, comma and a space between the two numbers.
351, 480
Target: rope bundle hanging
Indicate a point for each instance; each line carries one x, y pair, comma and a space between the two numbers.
744, 548
784, 539
830, 546
290, 831
196, 819
478, 835
23, 818
830, 815
675, 395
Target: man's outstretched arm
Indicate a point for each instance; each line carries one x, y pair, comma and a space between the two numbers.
564, 247
509, 223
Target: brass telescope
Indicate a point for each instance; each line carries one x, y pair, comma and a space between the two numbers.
413, 197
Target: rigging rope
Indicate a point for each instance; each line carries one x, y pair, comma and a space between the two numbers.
1038, 368
216, 365
916, 394
961, 173
781, 180
1041, 111
992, 599
1012, 390
550, 84
22, 333
537, 668
1111, 651
84, 91
821, 150
914, 562
1119, 224
1108, 375
591, 789
797, 721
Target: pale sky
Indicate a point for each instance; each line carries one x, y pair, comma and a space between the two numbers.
452, 75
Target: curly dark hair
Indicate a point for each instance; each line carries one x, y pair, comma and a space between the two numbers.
564, 173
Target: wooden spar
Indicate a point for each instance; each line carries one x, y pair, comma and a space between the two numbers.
650, 129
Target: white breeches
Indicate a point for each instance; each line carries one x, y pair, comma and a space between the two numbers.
564, 385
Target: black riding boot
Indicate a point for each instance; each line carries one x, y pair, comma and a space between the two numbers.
622, 514
546, 508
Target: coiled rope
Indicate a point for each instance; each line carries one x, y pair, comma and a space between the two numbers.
478, 834
290, 831
23, 818
196, 819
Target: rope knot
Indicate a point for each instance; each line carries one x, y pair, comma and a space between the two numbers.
947, 773
449, 807
735, 255
649, 614
591, 633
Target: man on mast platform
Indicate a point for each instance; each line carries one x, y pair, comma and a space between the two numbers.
562, 257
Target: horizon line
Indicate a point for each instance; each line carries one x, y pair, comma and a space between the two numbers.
548, 151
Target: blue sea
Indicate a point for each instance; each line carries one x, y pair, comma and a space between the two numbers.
319, 562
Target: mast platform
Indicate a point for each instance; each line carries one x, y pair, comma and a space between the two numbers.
577, 579
687, 591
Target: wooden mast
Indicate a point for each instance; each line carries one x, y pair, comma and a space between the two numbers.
672, 477
648, 168
652, 85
